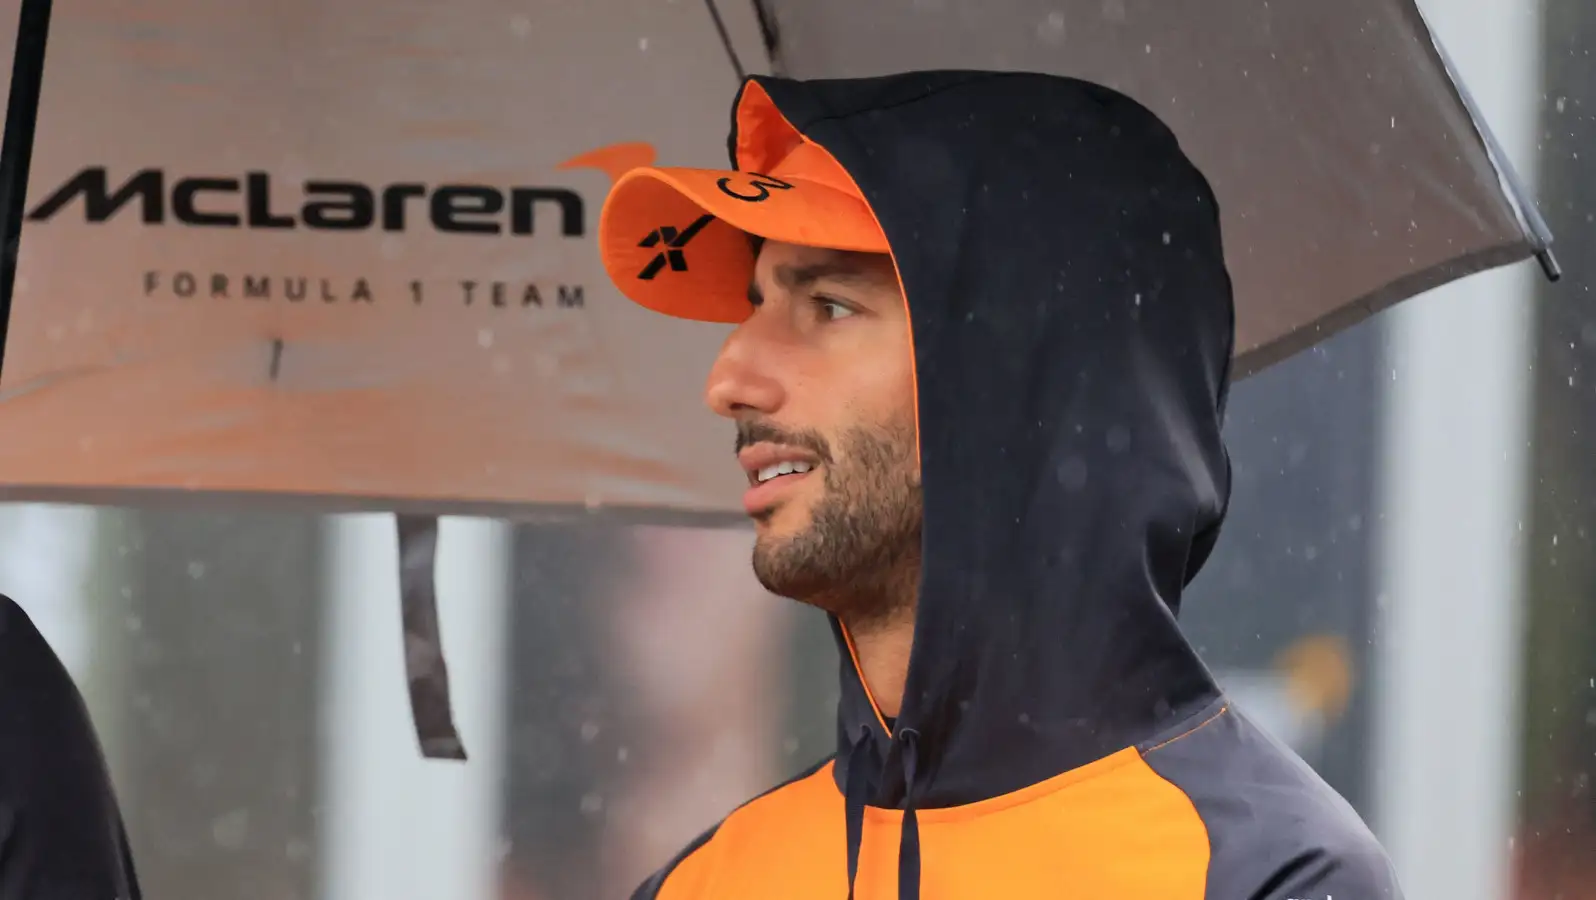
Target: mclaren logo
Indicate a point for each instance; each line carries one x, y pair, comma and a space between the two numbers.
319, 208
254, 201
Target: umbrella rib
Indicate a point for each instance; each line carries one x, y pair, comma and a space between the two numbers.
725, 40
16, 153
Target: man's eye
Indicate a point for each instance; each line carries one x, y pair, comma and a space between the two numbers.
831, 310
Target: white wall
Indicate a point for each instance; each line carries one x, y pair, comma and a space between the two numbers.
1454, 493
397, 826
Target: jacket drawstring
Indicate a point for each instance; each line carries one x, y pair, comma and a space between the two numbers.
860, 787
854, 799
909, 837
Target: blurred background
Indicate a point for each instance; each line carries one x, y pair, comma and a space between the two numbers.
1405, 592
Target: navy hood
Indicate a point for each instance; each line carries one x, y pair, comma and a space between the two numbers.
1072, 328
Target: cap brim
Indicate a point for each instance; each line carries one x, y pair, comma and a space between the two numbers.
676, 240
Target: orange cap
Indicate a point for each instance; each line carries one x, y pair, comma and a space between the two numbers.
676, 240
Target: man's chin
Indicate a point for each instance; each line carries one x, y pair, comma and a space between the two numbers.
774, 559
781, 521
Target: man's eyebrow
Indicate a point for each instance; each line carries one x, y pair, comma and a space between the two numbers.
840, 269
846, 269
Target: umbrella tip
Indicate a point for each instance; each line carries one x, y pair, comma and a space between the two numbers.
1554, 272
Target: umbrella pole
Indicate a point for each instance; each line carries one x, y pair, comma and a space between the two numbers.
16, 153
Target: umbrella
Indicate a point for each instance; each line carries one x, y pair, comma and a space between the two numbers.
346, 262
1351, 167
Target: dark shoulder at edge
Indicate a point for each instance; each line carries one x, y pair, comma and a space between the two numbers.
1275, 828
650, 888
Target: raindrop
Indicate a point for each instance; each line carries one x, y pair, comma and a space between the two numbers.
1562, 104
590, 730
1166, 239
642, 43
1072, 473
1118, 439
196, 570
231, 829
485, 338
592, 803
1052, 28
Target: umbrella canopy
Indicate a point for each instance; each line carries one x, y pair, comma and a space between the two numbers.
1351, 169
344, 257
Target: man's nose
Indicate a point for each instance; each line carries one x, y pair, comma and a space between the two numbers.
742, 380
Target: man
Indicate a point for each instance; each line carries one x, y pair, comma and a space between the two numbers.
977, 382
61, 834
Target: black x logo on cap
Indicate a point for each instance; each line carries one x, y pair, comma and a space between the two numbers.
673, 241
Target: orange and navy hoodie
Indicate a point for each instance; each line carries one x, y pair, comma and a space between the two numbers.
1058, 737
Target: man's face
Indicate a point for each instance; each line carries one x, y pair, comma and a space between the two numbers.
820, 381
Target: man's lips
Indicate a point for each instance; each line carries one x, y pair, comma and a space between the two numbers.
772, 469
765, 462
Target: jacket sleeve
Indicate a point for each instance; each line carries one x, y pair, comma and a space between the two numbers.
61, 832
678, 879
687, 877
1351, 873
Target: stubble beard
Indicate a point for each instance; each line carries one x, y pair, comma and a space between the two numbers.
859, 558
